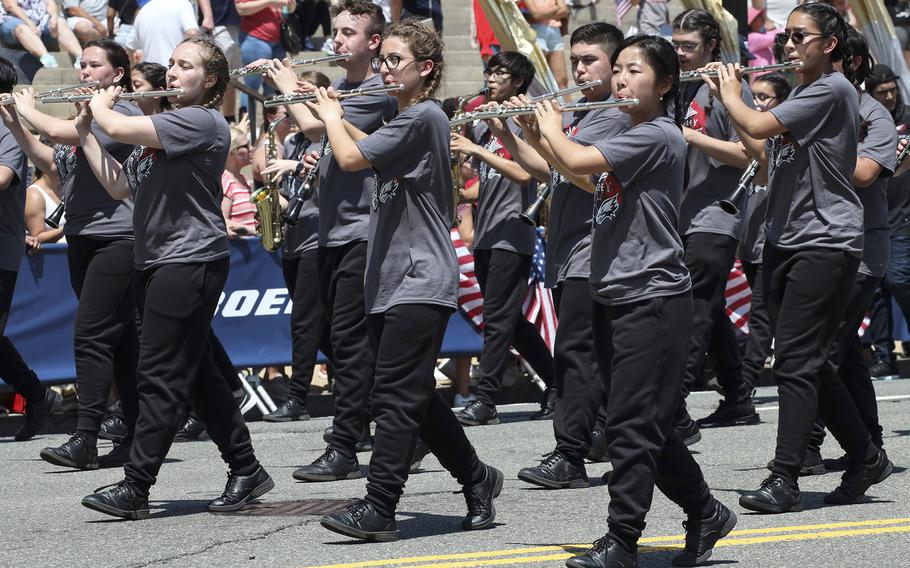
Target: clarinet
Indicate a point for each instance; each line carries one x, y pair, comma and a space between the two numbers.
306, 189
728, 205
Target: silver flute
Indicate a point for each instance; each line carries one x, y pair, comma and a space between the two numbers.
696, 75
260, 69
135, 96
506, 112
566, 91
295, 98
8, 100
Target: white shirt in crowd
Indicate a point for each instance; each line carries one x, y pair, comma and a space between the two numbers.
159, 27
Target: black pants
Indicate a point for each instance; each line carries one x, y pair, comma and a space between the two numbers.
503, 279
13, 369
106, 344
341, 271
406, 340
309, 326
879, 334
579, 389
177, 302
847, 357
709, 258
806, 292
641, 352
758, 346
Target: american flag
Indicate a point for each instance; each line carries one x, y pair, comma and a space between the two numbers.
739, 298
622, 8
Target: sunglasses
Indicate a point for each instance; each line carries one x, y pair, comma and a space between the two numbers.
798, 37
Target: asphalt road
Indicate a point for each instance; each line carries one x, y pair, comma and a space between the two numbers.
43, 523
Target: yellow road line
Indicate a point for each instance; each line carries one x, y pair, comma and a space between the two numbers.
731, 540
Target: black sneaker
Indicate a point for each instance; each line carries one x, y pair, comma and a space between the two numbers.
113, 428
76, 452
884, 371
364, 445
479, 497
36, 415
119, 456
191, 431
688, 432
362, 520
241, 489
606, 553
837, 464
598, 452
330, 466
547, 406
773, 496
730, 414
812, 464
555, 472
121, 500
477, 414
288, 411
420, 452
858, 478
702, 533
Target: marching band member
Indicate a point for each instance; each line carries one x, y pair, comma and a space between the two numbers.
642, 292
411, 284
182, 261
814, 240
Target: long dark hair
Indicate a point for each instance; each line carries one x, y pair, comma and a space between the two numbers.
662, 58
880, 75
778, 82
156, 75
832, 25
117, 57
702, 22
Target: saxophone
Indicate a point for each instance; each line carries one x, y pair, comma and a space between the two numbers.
456, 163
268, 201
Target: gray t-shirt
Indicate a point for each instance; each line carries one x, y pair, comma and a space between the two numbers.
344, 197
637, 253
12, 202
90, 210
810, 168
753, 241
95, 8
710, 180
304, 235
500, 201
878, 145
177, 190
410, 256
569, 229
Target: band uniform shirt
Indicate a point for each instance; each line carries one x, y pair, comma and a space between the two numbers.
303, 235
12, 202
500, 201
878, 145
636, 251
90, 209
410, 256
344, 197
177, 190
811, 201
710, 180
569, 228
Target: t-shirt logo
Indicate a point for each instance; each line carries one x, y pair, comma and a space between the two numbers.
485, 172
607, 198
782, 150
557, 178
139, 165
753, 189
696, 119
383, 192
65, 160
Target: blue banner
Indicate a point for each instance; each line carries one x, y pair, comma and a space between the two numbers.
252, 319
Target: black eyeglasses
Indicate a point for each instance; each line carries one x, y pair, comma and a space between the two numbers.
797, 37
498, 73
391, 62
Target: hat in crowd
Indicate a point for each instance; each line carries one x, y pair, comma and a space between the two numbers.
754, 13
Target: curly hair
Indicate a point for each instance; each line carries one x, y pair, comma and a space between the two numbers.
426, 45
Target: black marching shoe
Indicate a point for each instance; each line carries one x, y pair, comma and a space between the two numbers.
330, 466
884, 371
773, 496
288, 411
477, 414
688, 432
364, 445
702, 533
76, 452
479, 497
598, 452
555, 472
730, 414
119, 456
361, 520
606, 553
858, 478
241, 489
113, 428
547, 406
812, 464
121, 500
191, 431
36, 415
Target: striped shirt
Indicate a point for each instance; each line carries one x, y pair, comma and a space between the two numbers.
238, 191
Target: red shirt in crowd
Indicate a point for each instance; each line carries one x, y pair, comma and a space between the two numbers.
264, 24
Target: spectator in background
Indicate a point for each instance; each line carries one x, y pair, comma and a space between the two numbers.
41, 199
653, 18
260, 35
221, 20
310, 16
87, 18
239, 212
482, 36
761, 40
32, 25
159, 27
776, 11
545, 17
120, 17
401, 9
